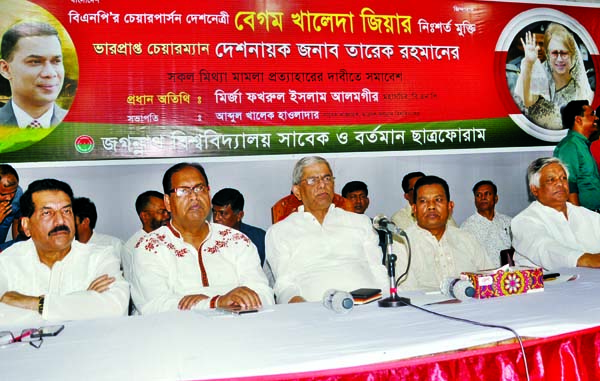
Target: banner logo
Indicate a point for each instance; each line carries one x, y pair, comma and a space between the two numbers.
84, 144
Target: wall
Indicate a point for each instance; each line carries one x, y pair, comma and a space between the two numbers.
114, 188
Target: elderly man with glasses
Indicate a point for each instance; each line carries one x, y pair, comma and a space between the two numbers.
322, 247
192, 263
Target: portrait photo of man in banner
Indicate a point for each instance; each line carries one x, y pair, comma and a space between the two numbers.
37, 83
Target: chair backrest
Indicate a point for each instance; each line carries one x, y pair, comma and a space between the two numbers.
290, 203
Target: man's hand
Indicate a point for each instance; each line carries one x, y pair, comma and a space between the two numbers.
5, 209
297, 299
240, 296
16, 299
589, 260
189, 301
101, 284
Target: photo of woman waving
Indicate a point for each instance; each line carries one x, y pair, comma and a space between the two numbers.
543, 88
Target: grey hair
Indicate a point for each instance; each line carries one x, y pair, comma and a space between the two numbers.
534, 171
303, 163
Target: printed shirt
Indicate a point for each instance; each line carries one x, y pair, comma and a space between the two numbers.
493, 235
166, 268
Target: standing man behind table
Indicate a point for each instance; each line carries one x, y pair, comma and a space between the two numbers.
321, 247
552, 232
492, 229
52, 276
439, 250
574, 152
192, 263
10, 193
32, 62
150, 208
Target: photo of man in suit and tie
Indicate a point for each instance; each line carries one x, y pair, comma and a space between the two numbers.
32, 62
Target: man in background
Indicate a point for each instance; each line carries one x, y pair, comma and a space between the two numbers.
86, 217
32, 62
358, 194
574, 151
10, 193
492, 229
150, 208
228, 210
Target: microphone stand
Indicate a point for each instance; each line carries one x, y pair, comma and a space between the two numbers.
393, 300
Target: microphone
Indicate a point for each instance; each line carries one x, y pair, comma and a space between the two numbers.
340, 302
457, 288
381, 222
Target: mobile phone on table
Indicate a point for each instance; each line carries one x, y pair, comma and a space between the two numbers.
51, 330
237, 310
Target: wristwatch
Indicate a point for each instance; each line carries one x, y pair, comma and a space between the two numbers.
41, 304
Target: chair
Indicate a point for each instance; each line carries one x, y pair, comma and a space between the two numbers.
290, 203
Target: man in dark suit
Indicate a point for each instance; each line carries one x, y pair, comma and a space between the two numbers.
32, 62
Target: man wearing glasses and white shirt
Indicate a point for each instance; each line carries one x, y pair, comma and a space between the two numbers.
192, 263
322, 247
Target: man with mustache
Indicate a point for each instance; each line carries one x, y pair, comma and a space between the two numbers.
439, 250
52, 276
552, 232
32, 62
192, 263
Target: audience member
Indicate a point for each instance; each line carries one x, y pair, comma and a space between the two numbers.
191, 263
51, 274
85, 223
321, 247
21, 236
552, 232
439, 250
574, 151
358, 194
34, 86
150, 208
228, 210
492, 229
405, 217
10, 193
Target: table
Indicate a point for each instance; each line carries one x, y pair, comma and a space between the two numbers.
307, 340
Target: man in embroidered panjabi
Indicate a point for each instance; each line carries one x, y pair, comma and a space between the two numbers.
192, 263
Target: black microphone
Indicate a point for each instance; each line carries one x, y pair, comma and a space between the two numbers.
381, 222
